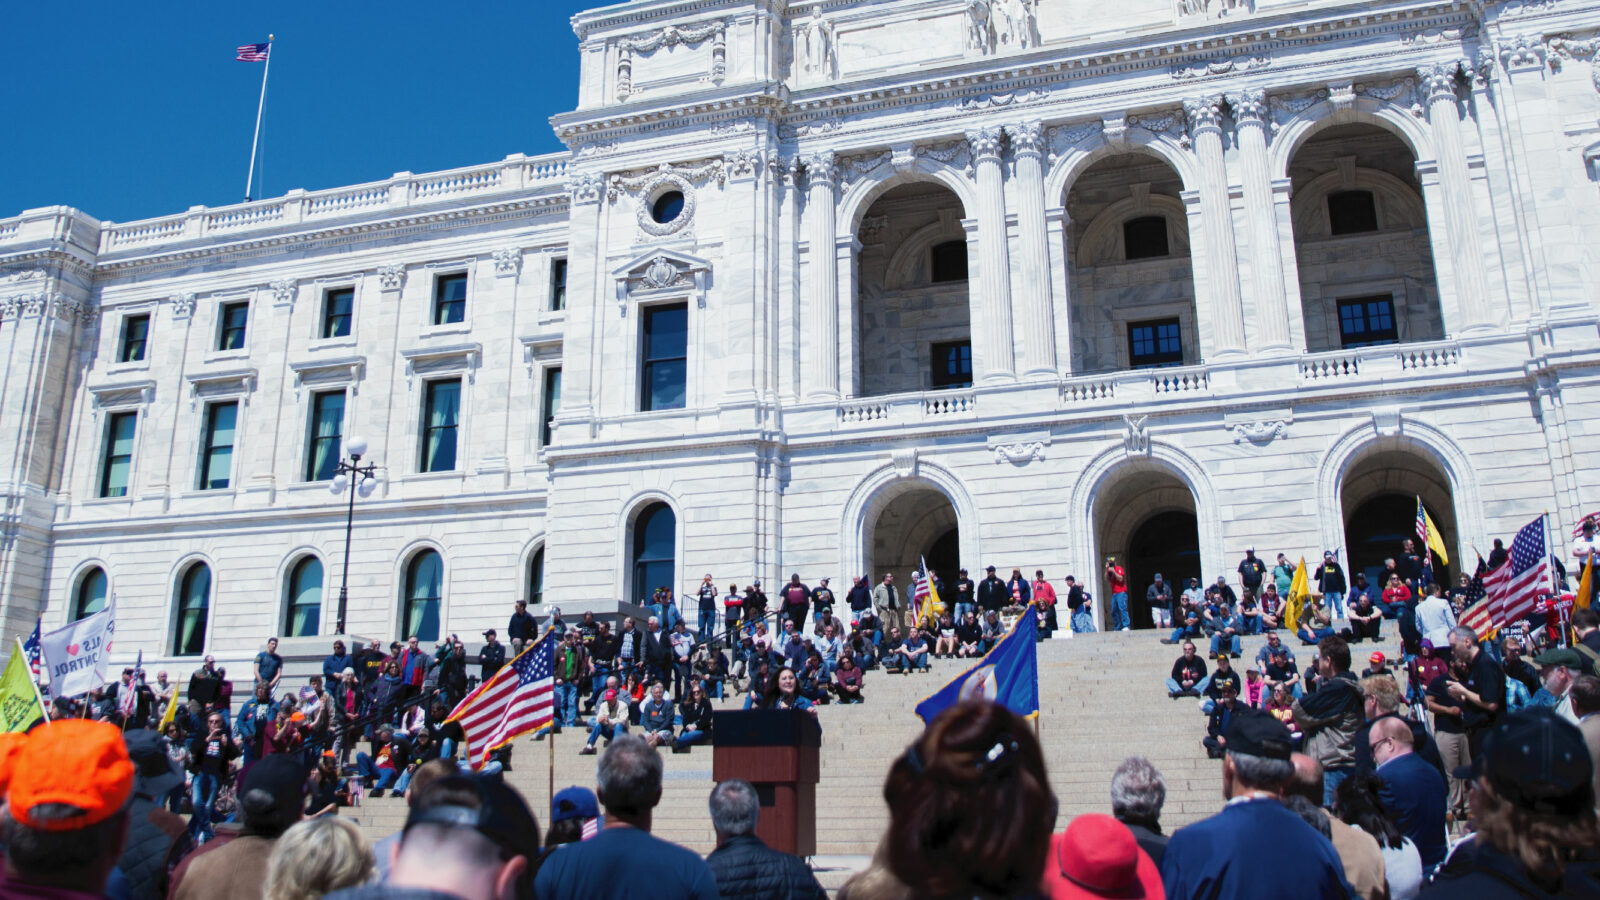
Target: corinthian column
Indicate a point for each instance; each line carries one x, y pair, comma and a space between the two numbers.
1221, 300
1438, 86
1037, 319
994, 261
820, 371
1266, 252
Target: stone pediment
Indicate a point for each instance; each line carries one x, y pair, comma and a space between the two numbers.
661, 272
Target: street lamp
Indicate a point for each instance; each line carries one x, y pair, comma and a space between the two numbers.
359, 479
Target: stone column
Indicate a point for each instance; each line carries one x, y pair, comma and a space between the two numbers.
1216, 219
1266, 249
819, 371
1037, 316
1438, 87
994, 259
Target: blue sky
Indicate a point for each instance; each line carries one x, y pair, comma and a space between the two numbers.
131, 110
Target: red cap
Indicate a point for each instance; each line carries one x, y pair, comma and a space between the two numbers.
1377, 656
1097, 856
74, 762
611, 695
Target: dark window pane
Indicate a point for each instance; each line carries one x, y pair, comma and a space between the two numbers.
1352, 212
194, 607
655, 536
424, 591
664, 379
551, 402
216, 460
135, 333
327, 433
949, 261
666, 332
1364, 321
667, 384
1155, 343
336, 312
558, 284
118, 463
235, 317
536, 579
440, 420
1144, 237
952, 364
91, 594
305, 599
667, 207
450, 299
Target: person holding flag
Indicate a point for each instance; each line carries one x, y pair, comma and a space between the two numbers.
1008, 675
1432, 542
20, 703
128, 694
1583, 550
1294, 603
927, 604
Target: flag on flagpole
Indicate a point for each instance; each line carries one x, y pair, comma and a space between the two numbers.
253, 52
31, 648
171, 713
128, 699
929, 606
1428, 533
1294, 604
1585, 585
1513, 588
1476, 615
519, 699
19, 703
1008, 674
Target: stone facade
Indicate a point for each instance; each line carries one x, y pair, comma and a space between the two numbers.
1293, 158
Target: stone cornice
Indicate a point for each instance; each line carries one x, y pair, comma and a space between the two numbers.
647, 14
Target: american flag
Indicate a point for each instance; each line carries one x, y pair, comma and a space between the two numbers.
1476, 614
254, 52
128, 700
1422, 526
591, 827
31, 647
517, 700
1513, 589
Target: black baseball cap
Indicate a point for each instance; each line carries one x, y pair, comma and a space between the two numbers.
990, 569
1538, 761
502, 815
489, 633
1258, 733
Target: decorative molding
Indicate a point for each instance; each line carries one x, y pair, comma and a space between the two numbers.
661, 271
1026, 139
1001, 25
1137, 438
1203, 114
1000, 101
1250, 107
872, 228
821, 168
586, 188
507, 261
1564, 47
648, 181
448, 360
284, 291
391, 277
14, 276
904, 460
1258, 433
985, 143
1212, 68
814, 128
1521, 51
672, 36
344, 371
232, 383
183, 304
1447, 35
853, 168
1019, 449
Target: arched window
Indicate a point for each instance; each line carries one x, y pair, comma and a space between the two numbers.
655, 550
303, 600
536, 579
91, 596
194, 608
424, 591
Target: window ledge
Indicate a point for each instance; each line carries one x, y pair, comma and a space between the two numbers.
425, 477
343, 371
221, 385
136, 365
453, 359
229, 491
432, 331
334, 343
224, 355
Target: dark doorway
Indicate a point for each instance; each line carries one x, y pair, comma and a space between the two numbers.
1168, 543
1374, 531
944, 558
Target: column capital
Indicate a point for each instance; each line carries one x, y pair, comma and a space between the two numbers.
1438, 82
1522, 51
1249, 107
821, 169
985, 143
1027, 139
1204, 113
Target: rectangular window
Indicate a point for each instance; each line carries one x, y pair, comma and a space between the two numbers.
450, 299
1155, 343
948, 261
441, 415
952, 364
326, 434
336, 308
1352, 212
216, 458
1145, 238
234, 318
1364, 321
558, 285
117, 464
135, 333
551, 401
663, 383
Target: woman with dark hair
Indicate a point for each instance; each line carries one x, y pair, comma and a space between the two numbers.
970, 807
783, 692
1359, 806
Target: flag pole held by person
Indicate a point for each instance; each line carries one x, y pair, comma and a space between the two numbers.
1008, 674
518, 700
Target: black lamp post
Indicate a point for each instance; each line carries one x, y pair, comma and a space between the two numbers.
358, 479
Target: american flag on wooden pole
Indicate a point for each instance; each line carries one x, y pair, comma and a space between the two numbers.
1513, 588
519, 699
1476, 615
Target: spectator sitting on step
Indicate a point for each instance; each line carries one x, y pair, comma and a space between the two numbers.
382, 767
944, 646
655, 716
915, 650
1281, 671
783, 692
1315, 624
610, 720
993, 630
814, 678
792, 647
968, 802
1249, 613
1379, 666
1281, 707
893, 659
829, 646
1225, 628
695, 715
1365, 619
1189, 627
744, 867
1216, 740
1254, 693
1187, 674
1211, 687
1137, 794
847, 679
711, 669
862, 649
969, 636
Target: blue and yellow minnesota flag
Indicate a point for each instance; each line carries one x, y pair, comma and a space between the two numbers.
1007, 674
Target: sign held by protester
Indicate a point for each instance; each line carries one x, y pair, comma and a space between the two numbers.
75, 657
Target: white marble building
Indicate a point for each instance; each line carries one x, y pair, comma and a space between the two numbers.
826, 285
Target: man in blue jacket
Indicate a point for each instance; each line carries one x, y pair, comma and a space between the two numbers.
333, 666
1413, 793
1254, 848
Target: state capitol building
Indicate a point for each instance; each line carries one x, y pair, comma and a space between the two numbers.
827, 286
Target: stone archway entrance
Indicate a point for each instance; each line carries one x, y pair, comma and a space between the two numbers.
912, 521
1168, 543
1379, 502
1144, 515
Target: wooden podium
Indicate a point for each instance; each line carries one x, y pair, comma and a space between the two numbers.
776, 751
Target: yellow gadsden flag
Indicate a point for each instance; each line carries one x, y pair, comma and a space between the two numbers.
19, 703
1294, 605
1435, 540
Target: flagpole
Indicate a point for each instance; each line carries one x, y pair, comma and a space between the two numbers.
43, 710
249, 181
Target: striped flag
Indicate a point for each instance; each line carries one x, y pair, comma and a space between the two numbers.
1428, 532
254, 52
591, 827
128, 700
519, 699
1476, 615
31, 647
1513, 589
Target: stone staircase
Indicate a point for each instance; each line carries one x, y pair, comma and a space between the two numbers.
1102, 698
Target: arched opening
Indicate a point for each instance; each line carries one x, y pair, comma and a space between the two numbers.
1144, 515
1379, 501
1361, 241
913, 320
910, 522
1131, 279
536, 579
303, 599
193, 611
90, 597
655, 551
424, 596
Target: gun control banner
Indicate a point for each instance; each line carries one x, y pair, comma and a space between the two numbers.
75, 657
